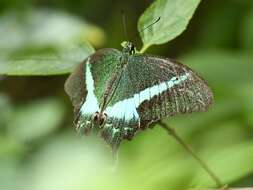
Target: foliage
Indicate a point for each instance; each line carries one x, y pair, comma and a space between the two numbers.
49, 61
174, 15
39, 151
44, 42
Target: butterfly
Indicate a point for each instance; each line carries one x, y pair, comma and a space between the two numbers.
119, 93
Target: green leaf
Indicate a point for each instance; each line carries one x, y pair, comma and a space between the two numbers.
230, 164
246, 93
246, 31
45, 27
44, 42
175, 16
36, 120
47, 169
9, 173
10, 148
45, 62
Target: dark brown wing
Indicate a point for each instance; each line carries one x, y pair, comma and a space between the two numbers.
152, 88
75, 86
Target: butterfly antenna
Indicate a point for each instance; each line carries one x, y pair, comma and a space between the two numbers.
145, 28
189, 149
124, 23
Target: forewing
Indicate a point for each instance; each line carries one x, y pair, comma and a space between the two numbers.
86, 85
152, 88
103, 67
75, 85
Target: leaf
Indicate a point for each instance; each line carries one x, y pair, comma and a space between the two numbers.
86, 163
44, 42
9, 173
45, 62
175, 16
246, 93
246, 31
45, 27
35, 120
230, 164
10, 149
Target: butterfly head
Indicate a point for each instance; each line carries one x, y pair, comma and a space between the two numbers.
128, 47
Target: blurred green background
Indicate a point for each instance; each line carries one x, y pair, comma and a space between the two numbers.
39, 149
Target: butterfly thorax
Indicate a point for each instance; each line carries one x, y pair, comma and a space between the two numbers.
111, 85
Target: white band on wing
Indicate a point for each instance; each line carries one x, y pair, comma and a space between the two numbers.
90, 106
127, 109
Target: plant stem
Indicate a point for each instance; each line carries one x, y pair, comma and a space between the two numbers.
144, 48
189, 149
